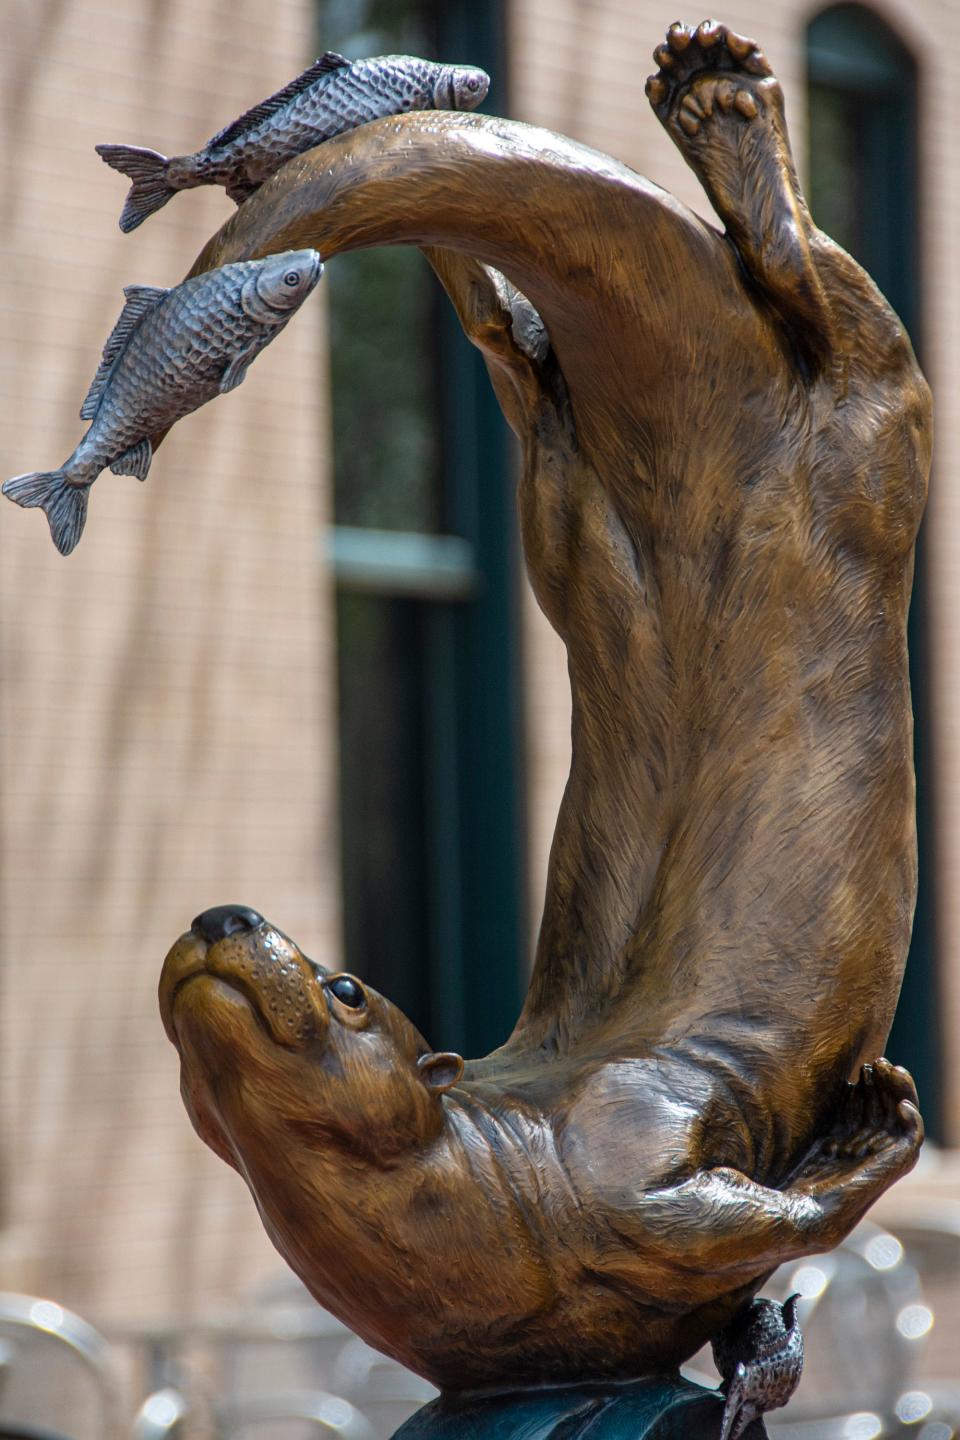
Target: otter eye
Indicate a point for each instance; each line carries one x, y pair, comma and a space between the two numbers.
348, 992
292, 278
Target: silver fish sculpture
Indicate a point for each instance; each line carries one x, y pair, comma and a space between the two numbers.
335, 94
169, 353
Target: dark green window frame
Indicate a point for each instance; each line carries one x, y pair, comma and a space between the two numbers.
864, 192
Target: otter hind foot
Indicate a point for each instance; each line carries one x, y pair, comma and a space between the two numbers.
721, 104
707, 74
760, 1356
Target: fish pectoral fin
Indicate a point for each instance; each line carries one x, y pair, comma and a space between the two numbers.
240, 190
135, 461
236, 371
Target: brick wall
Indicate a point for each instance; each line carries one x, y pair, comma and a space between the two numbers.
165, 690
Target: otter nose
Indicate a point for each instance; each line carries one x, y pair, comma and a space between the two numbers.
224, 920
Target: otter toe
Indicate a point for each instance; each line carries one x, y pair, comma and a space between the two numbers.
685, 51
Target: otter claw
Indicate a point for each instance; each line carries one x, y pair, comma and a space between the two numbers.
679, 36
739, 45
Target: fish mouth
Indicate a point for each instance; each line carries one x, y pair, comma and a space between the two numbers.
262, 968
316, 266
269, 310
458, 92
477, 97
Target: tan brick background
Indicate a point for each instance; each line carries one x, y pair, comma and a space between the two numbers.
164, 691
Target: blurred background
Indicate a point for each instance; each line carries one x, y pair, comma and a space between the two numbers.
300, 669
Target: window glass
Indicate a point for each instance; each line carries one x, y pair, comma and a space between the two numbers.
382, 783
383, 377
383, 360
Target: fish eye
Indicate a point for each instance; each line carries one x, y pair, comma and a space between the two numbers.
347, 991
473, 84
292, 278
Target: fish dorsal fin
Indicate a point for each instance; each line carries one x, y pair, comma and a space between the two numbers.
140, 300
330, 60
327, 63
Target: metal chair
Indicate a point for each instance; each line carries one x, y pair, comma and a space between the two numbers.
26, 1320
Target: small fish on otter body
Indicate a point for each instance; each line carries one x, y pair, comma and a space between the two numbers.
335, 94
169, 352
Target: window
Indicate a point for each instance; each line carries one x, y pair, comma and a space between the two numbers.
424, 554
862, 93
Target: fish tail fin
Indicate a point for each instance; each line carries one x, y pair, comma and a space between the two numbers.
151, 188
65, 504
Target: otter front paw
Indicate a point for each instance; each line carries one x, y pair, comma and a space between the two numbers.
869, 1115
876, 1130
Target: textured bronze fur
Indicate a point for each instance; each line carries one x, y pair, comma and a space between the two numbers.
725, 458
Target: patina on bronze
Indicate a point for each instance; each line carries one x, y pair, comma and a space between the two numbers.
726, 446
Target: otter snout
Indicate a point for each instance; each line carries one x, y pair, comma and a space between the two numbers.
223, 920
233, 946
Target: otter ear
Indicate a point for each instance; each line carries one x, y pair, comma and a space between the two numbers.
440, 1070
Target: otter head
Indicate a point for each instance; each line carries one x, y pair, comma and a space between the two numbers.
280, 1056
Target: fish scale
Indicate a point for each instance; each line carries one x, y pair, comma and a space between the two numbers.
179, 340
333, 95
175, 358
169, 352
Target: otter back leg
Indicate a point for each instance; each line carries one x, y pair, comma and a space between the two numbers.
720, 103
720, 1228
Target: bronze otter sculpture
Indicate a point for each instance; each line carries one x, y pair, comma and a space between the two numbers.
726, 445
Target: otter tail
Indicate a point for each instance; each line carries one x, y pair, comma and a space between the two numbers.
150, 189
65, 504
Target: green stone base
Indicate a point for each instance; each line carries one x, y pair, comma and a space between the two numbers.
655, 1409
